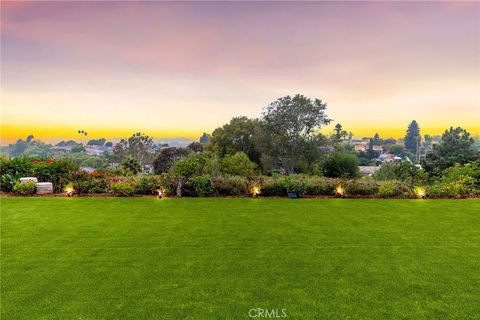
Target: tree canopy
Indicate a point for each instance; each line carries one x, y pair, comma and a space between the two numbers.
139, 145
289, 127
235, 136
456, 146
412, 137
167, 157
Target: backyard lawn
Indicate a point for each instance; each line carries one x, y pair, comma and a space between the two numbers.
200, 258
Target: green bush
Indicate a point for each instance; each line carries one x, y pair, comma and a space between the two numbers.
467, 172
16, 167
340, 165
389, 188
458, 181
148, 184
320, 186
7, 182
274, 188
296, 185
463, 186
58, 172
25, 189
123, 189
168, 183
362, 186
237, 165
131, 166
230, 186
302, 184
85, 182
280, 186
191, 165
201, 186
401, 171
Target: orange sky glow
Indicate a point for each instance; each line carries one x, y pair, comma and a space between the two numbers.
179, 69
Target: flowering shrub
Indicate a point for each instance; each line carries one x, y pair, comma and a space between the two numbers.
230, 186
275, 187
389, 188
123, 189
25, 189
198, 175
463, 186
304, 185
58, 172
16, 167
321, 186
148, 184
362, 186
200, 186
458, 181
85, 182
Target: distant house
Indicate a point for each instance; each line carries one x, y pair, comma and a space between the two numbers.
377, 149
94, 150
368, 170
88, 169
422, 153
386, 157
364, 146
361, 146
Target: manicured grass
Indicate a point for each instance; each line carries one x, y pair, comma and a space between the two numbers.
142, 258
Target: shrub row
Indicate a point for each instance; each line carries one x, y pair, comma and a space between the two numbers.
394, 181
58, 172
237, 186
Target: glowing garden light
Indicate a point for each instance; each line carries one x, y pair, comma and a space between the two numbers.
69, 191
339, 191
255, 191
160, 193
420, 192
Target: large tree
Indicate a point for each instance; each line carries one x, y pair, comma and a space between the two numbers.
456, 146
235, 136
20, 146
289, 126
412, 138
204, 138
167, 158
193, 164
338, 133
195, 146
96, 142
139, 145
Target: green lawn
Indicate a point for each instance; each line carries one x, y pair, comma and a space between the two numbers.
146, 258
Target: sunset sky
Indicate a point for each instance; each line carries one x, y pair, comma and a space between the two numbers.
173, 69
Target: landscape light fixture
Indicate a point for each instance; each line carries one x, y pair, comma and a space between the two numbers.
420, 192
255, 191
69, 191
160, 193
340, 191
